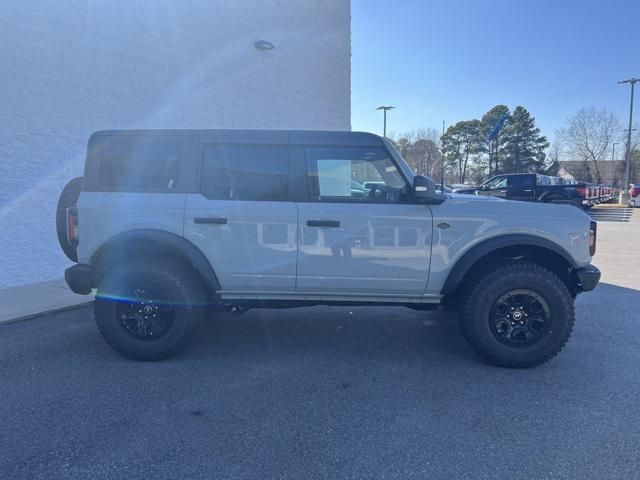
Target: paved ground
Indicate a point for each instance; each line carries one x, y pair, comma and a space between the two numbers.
329, 393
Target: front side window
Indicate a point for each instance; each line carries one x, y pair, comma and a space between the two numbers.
495, 183
245, 173
353, 174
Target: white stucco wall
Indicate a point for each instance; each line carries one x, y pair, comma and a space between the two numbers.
68, 68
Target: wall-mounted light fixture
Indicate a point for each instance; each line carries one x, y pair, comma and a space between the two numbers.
264, 45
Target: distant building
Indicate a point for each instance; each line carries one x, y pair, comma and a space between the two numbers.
70, 68
611, 171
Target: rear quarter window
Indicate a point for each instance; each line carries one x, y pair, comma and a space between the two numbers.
139, 165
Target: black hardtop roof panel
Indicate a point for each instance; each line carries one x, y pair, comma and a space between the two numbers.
310, 137
276, 137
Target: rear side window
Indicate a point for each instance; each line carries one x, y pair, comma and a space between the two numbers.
140, 165
521, 181
245, 173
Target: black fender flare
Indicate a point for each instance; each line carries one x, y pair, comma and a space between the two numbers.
475, 253
147, 242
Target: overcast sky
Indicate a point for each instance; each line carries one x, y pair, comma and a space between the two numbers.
452, 60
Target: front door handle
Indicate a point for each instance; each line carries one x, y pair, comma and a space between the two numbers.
214, 220
323, 223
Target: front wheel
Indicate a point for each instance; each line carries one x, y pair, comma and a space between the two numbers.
517, 315
145, 308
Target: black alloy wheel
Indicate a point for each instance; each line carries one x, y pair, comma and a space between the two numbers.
146, 314
520, 318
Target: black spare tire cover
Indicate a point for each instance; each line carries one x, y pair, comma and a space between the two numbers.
68, 198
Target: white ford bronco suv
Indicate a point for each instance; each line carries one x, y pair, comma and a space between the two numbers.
170, 225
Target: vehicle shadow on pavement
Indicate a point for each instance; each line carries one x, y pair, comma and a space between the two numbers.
357, 333
396, 333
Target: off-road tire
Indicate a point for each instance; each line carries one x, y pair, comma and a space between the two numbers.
187, 298
68, 198
474, 315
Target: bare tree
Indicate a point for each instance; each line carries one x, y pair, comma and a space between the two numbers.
589, 136
553, 157
421, 151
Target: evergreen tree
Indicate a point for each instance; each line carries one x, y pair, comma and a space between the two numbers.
462, 144
523, 144
491, 131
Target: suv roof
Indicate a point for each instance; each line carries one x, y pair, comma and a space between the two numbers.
265, 137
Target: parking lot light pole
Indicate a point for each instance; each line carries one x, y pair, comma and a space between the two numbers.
613, 164
385, 108
442, 172
624, 194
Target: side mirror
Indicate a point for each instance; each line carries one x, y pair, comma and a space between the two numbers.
423, 187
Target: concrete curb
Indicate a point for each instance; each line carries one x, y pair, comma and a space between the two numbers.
33, 316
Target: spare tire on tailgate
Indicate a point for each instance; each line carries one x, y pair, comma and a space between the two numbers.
68, 198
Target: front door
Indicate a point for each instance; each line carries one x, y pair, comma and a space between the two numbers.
360, 233
243, 220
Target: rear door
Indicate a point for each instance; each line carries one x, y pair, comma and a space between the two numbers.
349, 243
521, 187
243, 219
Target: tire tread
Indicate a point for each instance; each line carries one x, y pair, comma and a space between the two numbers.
191, 289
506, 270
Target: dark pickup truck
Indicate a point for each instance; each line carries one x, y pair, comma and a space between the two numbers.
533, 187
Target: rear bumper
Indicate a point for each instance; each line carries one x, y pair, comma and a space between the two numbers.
588, 277
79, 278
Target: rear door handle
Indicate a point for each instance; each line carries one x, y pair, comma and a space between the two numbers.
215, 220
323, 223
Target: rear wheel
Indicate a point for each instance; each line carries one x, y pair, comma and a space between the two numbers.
145, 308
517, 315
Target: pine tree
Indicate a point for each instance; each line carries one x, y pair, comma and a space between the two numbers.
524, 146
491, 131
462, 144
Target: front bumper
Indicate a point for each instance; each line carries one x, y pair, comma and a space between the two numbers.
588, 277
79, 278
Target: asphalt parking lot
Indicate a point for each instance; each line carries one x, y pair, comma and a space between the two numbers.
330, 393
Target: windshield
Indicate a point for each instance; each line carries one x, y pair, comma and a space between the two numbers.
406, 169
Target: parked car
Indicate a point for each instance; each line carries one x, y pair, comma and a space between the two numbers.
372, 185
532, 187
169, 226
453, 187
457, 187
358, 190
634, 195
